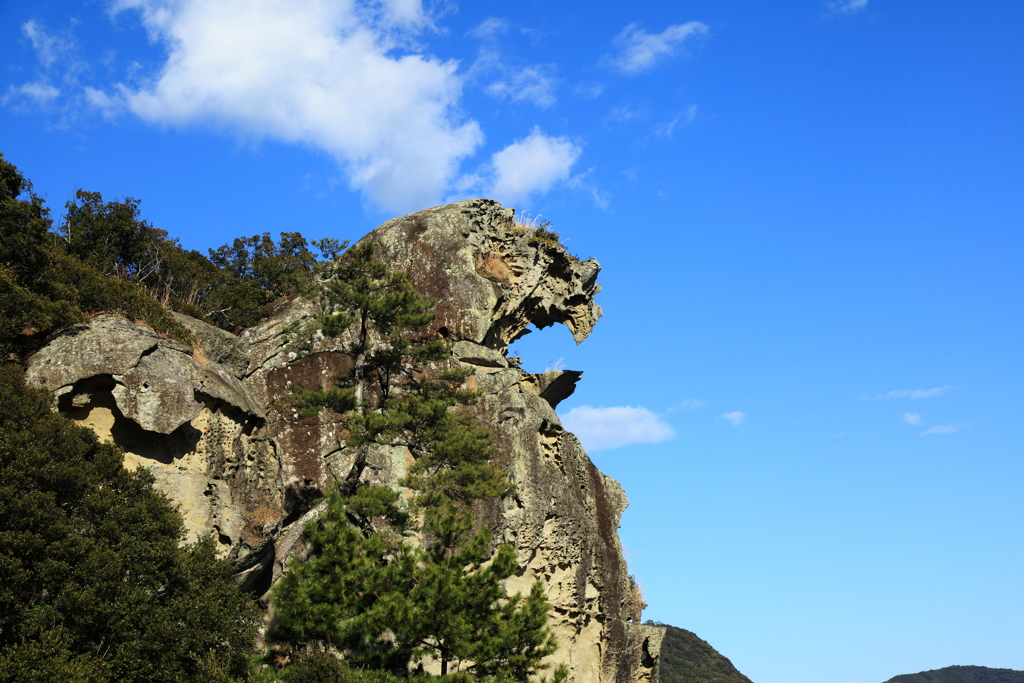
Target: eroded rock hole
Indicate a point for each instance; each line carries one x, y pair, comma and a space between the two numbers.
91, 403
544, 350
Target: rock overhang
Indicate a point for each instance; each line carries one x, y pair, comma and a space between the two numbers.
490, 276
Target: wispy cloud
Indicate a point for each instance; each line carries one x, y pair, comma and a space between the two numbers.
58, 72
913, 394
912, 418
640, 50
624, 113
942, 429
49, 47
589, 90
668, 128
837, 7
919, 393
531, 165
37, 92
735, 418
532, 84
346, 78
608, 428
489, 28
582, 182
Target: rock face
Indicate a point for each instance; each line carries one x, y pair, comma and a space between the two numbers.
207, 421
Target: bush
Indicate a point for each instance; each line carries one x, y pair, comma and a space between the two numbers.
94, 585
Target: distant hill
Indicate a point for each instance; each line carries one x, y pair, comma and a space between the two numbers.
685, 658
962, 674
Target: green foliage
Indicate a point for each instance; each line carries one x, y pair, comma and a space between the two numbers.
452, 449
105, 257
231, 288
543, 234
256, 271
685, 658
43, 288
366, 590
388, 603
383, 316
962, 674
111, 237
93, 583
277, 269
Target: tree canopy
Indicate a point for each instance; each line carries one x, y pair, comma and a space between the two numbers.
104, 257
94, 584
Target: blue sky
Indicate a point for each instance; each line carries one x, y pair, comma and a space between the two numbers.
809, 216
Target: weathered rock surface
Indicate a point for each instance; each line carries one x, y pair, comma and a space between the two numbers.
209, 423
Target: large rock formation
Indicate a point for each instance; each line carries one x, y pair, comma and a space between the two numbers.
208, 422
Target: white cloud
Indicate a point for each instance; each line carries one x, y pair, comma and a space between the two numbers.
688, 404
581, 183
39, 92
531, 165
912, 418
108, 105
834, 7
640, 50
589, 90
624, 113
530, 84
49, 48
489, 27
60, 67
941, 429
334, 76
607, 428
918, 393
736, 417
666, 129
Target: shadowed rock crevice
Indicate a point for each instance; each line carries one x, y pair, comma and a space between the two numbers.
91, 402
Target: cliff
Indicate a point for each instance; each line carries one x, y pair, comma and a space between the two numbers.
207, 421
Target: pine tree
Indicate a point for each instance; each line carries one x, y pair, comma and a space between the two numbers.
388, 603
390, 396
366, 589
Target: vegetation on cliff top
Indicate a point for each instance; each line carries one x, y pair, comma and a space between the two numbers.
104, 257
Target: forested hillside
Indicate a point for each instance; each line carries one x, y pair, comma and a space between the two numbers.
962, 674
685, 658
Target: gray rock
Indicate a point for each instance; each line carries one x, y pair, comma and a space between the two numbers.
215, 431
218, 346
554, 386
